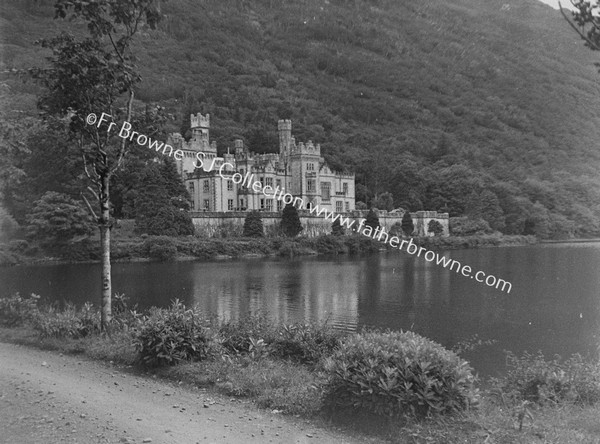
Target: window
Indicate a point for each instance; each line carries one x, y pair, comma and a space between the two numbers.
339, 206
278, 183
345, 187
192, 205
269, 204
206, 187
326, 191
279, 205
206, 204
269, 181
310, 166
262, 181
242, 204
191, 188
310, 186
230, 204
262, 204
242, 171
230, 185
347, 206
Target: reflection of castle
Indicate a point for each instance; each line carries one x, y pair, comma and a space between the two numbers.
298, 169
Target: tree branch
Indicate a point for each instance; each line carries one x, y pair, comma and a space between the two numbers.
122, 150
87, 202
577, 30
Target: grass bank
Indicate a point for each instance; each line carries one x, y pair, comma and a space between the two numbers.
404, 388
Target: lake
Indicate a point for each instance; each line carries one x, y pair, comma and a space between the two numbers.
554, 305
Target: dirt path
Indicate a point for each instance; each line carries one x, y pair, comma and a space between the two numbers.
48, 398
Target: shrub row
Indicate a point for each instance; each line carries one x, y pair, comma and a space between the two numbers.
387, 374
535, 379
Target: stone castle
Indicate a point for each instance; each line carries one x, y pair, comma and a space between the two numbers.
298, 169
219, 204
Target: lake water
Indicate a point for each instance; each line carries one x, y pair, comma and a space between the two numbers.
554, 305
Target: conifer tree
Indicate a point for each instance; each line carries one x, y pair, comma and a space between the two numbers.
372, 220
162, 202
337, 229
407, 224
290, 221
253, 225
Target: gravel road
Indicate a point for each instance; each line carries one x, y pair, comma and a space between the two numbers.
49, 398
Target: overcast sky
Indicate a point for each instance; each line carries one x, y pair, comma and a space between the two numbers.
554, 3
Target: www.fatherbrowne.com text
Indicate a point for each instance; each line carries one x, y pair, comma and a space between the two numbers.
379, 233
126, 132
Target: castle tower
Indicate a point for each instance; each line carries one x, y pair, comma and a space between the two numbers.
285, 137
200, 126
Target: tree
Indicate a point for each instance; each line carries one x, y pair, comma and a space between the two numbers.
435, 227
585, 21
337, 229
384, 201
162, 202
290, 221
408, 225
372, 220
485, 205
90, 76
56, 219
253, 225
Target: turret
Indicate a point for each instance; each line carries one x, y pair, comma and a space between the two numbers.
200, 126
285, 136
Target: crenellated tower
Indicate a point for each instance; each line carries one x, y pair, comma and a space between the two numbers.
285, 137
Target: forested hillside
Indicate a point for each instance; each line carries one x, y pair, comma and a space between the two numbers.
486, 108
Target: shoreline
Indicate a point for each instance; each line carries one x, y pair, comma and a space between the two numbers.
180, 249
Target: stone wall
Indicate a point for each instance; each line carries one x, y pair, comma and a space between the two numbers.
231, 223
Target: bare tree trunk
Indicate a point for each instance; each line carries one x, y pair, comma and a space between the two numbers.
105, 226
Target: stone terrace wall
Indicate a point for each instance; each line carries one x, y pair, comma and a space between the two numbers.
231, 223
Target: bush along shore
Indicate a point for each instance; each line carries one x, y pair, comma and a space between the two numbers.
397, 385
167, 248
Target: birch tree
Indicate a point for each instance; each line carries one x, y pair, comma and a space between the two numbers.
87, 77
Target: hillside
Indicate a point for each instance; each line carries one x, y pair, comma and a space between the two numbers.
480, 107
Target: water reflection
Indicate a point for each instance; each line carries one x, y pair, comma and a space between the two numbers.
554, 305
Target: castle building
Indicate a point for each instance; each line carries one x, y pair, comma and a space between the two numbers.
298, 169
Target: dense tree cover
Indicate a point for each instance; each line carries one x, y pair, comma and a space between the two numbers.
253, 225
433, 102
290, 221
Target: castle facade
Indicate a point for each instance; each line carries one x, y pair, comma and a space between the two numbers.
298, 169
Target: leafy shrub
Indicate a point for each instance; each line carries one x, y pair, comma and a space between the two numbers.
171, 335
535, 379
395, 373
328, 244
18, 246
464, 226
161, 248
15, 310
68, 322
305, 343
246, 334
292, 248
